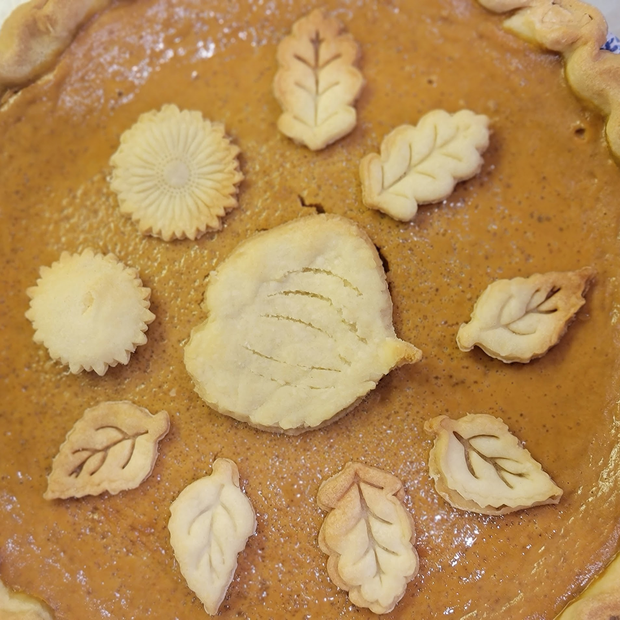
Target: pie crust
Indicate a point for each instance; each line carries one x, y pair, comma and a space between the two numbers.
36, 33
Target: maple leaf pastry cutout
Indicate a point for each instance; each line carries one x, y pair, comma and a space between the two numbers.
299, 327
477, 464
423, 163
368, 536
210, 523
90, 311
112, 447
176, 174
521, 319
317, 81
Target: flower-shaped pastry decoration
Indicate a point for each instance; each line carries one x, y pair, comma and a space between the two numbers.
90, 311
176, 173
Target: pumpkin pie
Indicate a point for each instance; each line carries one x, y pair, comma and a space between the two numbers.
544, 200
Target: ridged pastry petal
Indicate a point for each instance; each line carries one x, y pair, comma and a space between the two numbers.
479, 465
90, 311
299, 328
176, 174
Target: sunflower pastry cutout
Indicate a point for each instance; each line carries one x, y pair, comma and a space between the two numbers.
176, 174
299, 327
90, 311
477, 464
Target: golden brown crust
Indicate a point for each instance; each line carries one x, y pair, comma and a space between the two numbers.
36, 33
577, 31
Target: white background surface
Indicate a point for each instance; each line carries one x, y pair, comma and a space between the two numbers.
611, 10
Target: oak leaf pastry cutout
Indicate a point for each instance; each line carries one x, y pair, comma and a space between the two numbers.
576, 30
20, 606
477, 464
112, 447
600, 600
210, 523
299, 327
34, 34
176, 174
368, 535
317, 81
423, 163
520, 319
90, 311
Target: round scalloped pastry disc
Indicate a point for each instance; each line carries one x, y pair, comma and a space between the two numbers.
90, 311
176, 174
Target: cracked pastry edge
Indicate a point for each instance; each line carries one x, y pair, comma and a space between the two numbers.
50, 276
593, 74
36, 33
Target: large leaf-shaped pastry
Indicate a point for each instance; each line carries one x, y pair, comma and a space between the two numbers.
210, 523
299, 328
422, 164
112, 447
20, 606
520, 319
478, 465
317, 81
368, 536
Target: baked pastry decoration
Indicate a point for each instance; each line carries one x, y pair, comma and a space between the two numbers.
176, 174
578, 31
210, 523
34, 34
520, 319
422, 164
600, 600
368, 535
317, 81
90, 311
19, 606
112, 447
477, 464
299, 327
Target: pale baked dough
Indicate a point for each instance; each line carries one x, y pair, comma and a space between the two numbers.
422, 164
600, 600
176, 174
317, 81
520, 319
19, 606
112, 447
299, 327
210, 523
477, 464
36, 33
578, 31
90, 311
368, 535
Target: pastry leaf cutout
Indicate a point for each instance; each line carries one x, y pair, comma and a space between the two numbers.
520, 319
317, 82
478, 465
113, 448
210, 523
20, 606
422, 164
299, 326
368, 535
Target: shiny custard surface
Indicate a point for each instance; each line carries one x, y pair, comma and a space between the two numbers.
546, 199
